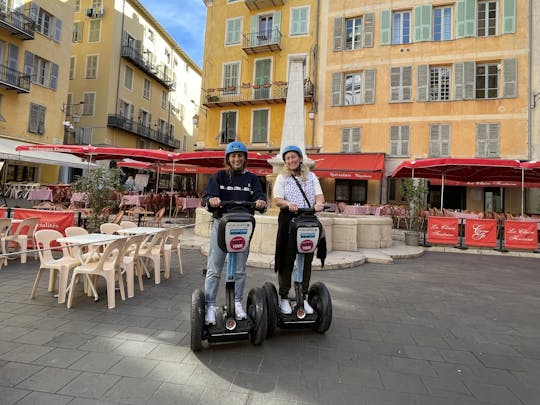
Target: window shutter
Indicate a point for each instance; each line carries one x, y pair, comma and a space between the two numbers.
28, 63
338, 33
253, 30
138, 47
385, 27
510, 78
276, 26
481, 140
422, 86
345, 140
72, 68
458, 81
404, 140
493, 141
445, 140
395, 82
41, 119
426, 22
418, 31
229, 35
260, 126
468, 80
34, 10
434, 140
369, 86
460, 19
394, 140
509, 17
336, 89
57, 29
33, 119
53, 82
355, 139
470, 18
407, 83
369, 27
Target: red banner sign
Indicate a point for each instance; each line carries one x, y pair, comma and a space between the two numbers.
2, 212
443, 230
481, 232
521, 235
57, 220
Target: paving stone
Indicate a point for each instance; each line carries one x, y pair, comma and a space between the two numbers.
101, 344
12, 373
89, 385
493, 394
168, 353
175, 394
9, 396
38, 337
298, 388
176, 373
48, 379
12, 333
133, 367
401, 382
135, 333
133, 391
62, 358
25, 353
43, 398
96, 362
215, 397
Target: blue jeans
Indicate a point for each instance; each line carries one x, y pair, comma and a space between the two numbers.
214, 266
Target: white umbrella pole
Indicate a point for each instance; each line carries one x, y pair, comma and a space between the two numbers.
442, 191
522, 189
157, 180
172, 191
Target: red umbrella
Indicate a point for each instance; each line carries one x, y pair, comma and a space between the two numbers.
215, 158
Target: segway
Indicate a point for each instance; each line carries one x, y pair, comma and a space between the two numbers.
306, 230
234, 235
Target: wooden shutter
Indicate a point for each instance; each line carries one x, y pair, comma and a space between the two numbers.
338, 33
57, 29
41, 119
422, 23
395, 84
469, 74
345, 140
386, 25
369, 86
337, 79
34, 11
369, 27
53, 82
509, 17
33, 123
260, 126
422, 83
394, 141
406, 83
229, 37
445, 140
355, 139
510, 78
253, 30
458, 81
470, 18
28, 63
276, 26
460, 19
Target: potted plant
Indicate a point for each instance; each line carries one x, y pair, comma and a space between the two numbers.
414, 192
99, 185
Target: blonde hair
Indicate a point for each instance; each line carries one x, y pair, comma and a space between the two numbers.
302, 171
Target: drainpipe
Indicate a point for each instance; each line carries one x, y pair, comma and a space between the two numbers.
315, 72
120, 57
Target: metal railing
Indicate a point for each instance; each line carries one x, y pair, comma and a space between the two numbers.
14, 80
117, 121
262, 41
17, 23
138, 58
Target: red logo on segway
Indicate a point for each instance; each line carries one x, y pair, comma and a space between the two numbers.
306, 245
237, 243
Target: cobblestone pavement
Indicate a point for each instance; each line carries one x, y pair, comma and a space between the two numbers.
439, 329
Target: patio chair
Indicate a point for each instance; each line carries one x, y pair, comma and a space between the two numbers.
5, 228
130, 265
118, 218
61, 265
179, 207
156, 220
128, 224
109, 228
107, 267
20, 238
151, 249
172, 242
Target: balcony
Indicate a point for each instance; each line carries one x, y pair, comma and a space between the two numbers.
117, 121
17, 23
262, 41
255, 5
12, 79
253, 94
158, 72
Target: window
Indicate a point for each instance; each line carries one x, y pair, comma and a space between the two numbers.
171, 131
439, 140
233, 32
351, 191
163, 100
77, 5
230, 77
150, 34
44, 23
228, 127
72, 64
487, 140
91, 67
350, 139
95, 31
401, 27
260, 126
353, 88
41, 71
487, 80
69, 105
442, 23
146, 89
128, 77
487, 18
353, 33
439, 83
299, 21
401, 83
83, 135
77, 34
36, 121
399, 140
97, 4
162, 127
89, 103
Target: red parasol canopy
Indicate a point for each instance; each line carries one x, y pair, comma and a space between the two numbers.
215, 158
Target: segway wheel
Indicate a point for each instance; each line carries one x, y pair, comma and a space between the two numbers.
272, 306
257, 315
197, 319
320, 300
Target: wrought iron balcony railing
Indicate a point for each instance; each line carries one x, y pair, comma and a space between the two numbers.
262, 41
158, 72
253, 94
12, 79
17, 23
117, 121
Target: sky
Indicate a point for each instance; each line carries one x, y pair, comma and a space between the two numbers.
184, 20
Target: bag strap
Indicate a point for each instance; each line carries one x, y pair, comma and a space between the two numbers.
302, 191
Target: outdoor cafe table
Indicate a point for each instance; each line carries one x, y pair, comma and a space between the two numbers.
91, 239
362, 210
140, 230
40, 194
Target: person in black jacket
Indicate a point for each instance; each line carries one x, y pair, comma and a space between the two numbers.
232, 184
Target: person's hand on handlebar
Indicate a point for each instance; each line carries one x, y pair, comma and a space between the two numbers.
319, 207
260, 204
214, 202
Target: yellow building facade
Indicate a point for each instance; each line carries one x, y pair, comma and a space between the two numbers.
35, 49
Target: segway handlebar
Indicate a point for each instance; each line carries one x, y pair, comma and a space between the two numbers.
310, 210
244, 204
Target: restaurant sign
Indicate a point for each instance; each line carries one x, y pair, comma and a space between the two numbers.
481, 232
521, 235
443, 230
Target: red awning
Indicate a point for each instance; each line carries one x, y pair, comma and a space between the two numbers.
349, 166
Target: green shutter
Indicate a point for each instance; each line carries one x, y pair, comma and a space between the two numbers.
460, 19
338, 33
53, 81
426, 22
369, 86
56, 35
469, 75
510, 78
276, 23
509, 16
418, 24
422, 83
386, 26
336, 89
369, 25
470, 18
253, 30
445, 140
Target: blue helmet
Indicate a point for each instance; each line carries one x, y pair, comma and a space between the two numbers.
291, 148
235, 147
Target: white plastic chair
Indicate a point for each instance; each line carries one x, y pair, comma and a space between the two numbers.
61, 265
22, 235
173, 236
109, 228
128, 224
151, 249
5, 228
107, 267
129, 263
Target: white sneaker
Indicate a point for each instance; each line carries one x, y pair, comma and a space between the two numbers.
210, 317
307, 307
239, 311
285, 306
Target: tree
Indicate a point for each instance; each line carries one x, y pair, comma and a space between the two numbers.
414, 192
99, 185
